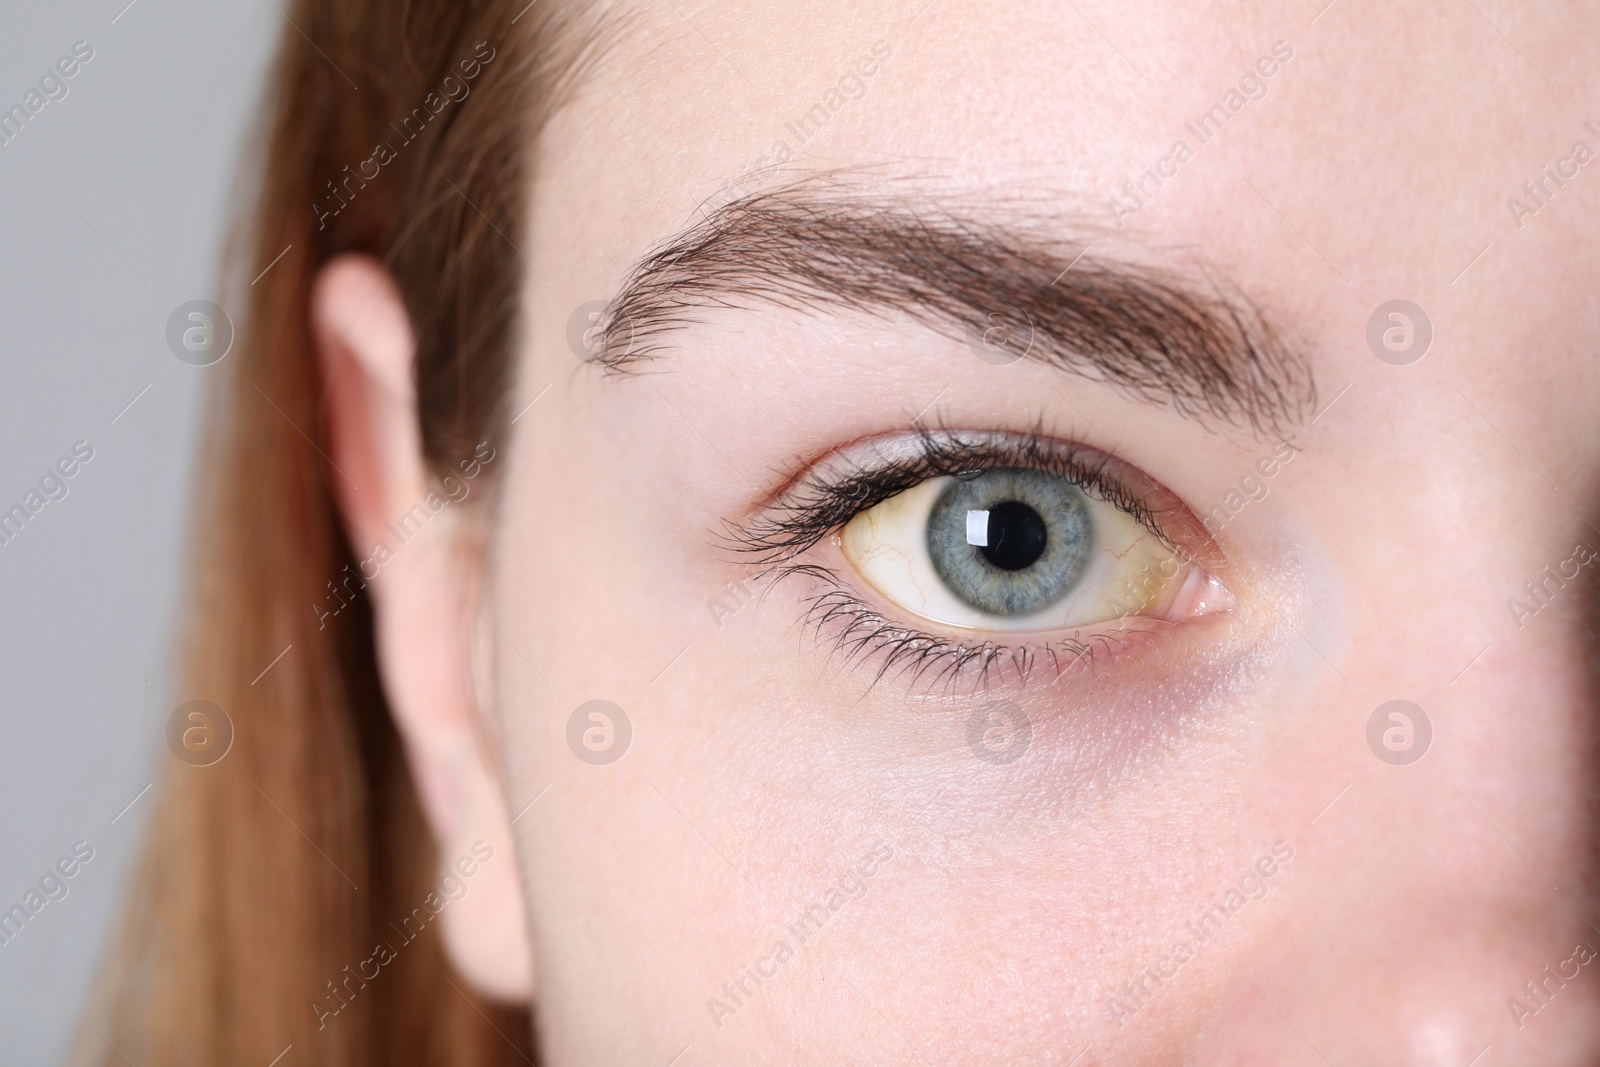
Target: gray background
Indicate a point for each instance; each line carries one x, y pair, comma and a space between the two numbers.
143, 154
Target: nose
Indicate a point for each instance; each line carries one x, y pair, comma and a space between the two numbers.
1445, 989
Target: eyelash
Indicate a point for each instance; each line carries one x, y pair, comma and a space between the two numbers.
819, 503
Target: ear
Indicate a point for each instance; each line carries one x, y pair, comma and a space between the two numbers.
418, 567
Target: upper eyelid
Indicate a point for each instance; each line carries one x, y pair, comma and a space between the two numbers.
811, 504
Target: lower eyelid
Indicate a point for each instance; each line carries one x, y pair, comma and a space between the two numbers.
862, 635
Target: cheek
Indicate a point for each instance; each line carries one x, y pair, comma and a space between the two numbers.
758, 770
755, 776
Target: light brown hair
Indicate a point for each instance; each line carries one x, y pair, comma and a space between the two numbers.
270, 875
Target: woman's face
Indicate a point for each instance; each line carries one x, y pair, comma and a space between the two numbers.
1090, 757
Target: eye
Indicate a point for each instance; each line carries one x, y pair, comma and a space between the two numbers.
1022, 549
949, 537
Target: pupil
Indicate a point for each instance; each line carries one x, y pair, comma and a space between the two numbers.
1017, 536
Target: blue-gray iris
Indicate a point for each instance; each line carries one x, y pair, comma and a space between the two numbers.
1011, 541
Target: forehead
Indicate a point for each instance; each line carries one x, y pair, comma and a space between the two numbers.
1328, 158
1053, 99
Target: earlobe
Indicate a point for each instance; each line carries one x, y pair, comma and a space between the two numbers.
422, 635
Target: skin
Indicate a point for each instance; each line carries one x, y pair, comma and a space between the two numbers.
1020, 898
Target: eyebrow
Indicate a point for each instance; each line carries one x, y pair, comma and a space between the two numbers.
1164, 337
